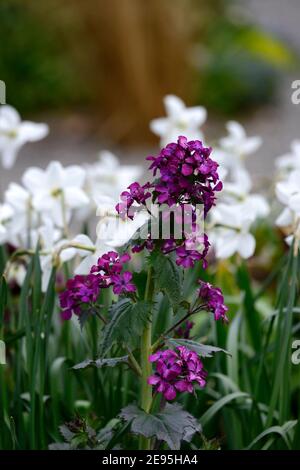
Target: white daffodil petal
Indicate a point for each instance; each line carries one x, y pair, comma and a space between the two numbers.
285, 218
246, 245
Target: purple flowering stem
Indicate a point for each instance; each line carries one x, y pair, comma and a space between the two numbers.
146, 344
160, 340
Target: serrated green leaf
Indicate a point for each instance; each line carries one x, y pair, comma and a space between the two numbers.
172, 425
66, 433
168, 277
127, 320
204, 350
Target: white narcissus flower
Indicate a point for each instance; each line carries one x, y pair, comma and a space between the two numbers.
290, 161
237, 144
180, 120
231, 234
14, 133
239, 191
25, 217
288, 191
108, 177
56, 190
16, 273
116, 232
52, 250
105, 180
6, 213
88, 258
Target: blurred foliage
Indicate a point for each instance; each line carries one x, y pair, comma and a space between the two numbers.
33, 63
121, 59
243, 64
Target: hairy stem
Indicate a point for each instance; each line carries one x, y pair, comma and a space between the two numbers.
146, 390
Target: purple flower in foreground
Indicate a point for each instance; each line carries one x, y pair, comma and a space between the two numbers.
176, 371
110, 263
136, 193
122, 283
214, 300
186, 173
81, 292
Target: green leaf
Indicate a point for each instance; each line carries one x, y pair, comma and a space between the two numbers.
127, 320
204, 350
218, 405
105, 434
102, 362
172, 425
282, 431
168, 277
66, 433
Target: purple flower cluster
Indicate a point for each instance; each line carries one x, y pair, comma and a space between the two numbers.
136, 194
82, 292
185, 178
187, 174
213, 300
176, 371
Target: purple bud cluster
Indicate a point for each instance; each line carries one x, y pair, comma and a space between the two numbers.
213, 300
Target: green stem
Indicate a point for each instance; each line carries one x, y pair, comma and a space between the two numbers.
146, 340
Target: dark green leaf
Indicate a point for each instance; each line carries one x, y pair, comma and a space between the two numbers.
127, 320
168, 277
172, 425
204, 350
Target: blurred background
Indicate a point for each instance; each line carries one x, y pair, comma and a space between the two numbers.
97, 70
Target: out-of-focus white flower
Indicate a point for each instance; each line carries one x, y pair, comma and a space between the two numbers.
237, 144
117, 232
14, 133
290, 161
25, 217
108, 177
288, 191
52, 250
56, 190
89, 252
105, 180
239, 191
231, 233
6, 213
180, 120
16, 273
